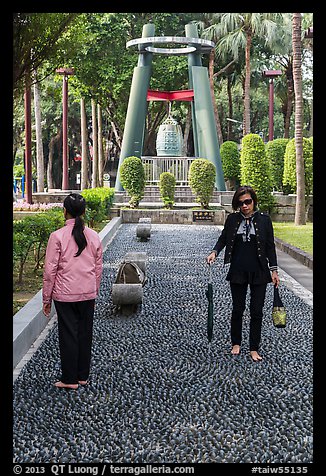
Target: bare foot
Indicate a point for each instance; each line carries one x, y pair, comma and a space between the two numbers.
235, 350
255, 356
83, 382
72, 386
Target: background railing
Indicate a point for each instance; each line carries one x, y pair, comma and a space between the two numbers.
178, 166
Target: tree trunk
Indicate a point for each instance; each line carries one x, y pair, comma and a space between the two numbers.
211, 85
39, 142
83, 126
49, 172
187, 132
300, 217
290, 95
100, 146
229, 90
28, 140
246, 113
117, 137
21, 272
95, 148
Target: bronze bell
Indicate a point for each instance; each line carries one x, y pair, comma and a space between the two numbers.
169, 138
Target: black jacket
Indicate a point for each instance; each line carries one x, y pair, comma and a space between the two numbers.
264, 235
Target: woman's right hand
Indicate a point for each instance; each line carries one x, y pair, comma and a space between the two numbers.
211, 257
47, 309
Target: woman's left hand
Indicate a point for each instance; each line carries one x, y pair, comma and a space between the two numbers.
275, 278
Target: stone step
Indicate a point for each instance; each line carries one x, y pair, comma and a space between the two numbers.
157, 199
179, 191
183, 194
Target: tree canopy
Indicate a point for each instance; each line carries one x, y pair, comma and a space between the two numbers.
94, 44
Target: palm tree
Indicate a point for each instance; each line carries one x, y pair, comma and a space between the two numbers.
281, 52
237, 31
300, 217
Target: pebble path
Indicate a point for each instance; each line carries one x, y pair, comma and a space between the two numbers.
158, 391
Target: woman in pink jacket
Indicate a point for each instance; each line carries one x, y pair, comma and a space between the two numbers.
71, 278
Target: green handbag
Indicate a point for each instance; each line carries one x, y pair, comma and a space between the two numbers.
278, 312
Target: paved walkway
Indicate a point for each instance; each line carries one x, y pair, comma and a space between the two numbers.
301, 273
158, 392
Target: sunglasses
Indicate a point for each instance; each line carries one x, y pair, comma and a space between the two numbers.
248, 201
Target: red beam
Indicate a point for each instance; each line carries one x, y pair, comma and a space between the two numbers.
185, 95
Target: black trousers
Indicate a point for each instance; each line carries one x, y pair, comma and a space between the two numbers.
257, 299
75, 326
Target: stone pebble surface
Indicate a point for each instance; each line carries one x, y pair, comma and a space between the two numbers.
158, 391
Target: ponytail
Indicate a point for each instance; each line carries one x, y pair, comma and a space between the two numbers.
78, 234
75, 205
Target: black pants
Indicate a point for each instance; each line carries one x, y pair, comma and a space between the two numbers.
75, 326
257, 298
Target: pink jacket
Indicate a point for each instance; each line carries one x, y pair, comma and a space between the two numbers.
66, 277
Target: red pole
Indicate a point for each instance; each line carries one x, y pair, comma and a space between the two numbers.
271, 110
28, 142
65, 180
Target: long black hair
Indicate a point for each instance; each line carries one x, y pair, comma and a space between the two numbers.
75, 205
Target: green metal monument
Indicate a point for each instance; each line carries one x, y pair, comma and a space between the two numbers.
203, 120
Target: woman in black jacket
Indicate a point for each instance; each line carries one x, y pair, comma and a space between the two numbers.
250, 249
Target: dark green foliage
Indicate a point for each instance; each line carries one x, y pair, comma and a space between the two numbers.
98, 203
132, 176
33, 232
201, 178
167, 189
275, 151
255, 170
230, 157
290, 176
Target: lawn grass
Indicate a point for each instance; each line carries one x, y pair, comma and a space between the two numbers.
300, 236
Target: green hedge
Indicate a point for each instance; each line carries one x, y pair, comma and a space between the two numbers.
132, 177
167, 188
32, 234
255, 170
230, 157
290, 176
275, 151
201, 177
99, 200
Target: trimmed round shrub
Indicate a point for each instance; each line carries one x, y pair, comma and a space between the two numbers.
98, 203
167, 188
255, 170
275, 151
132, 176
230, 157
201, 177
290, 175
